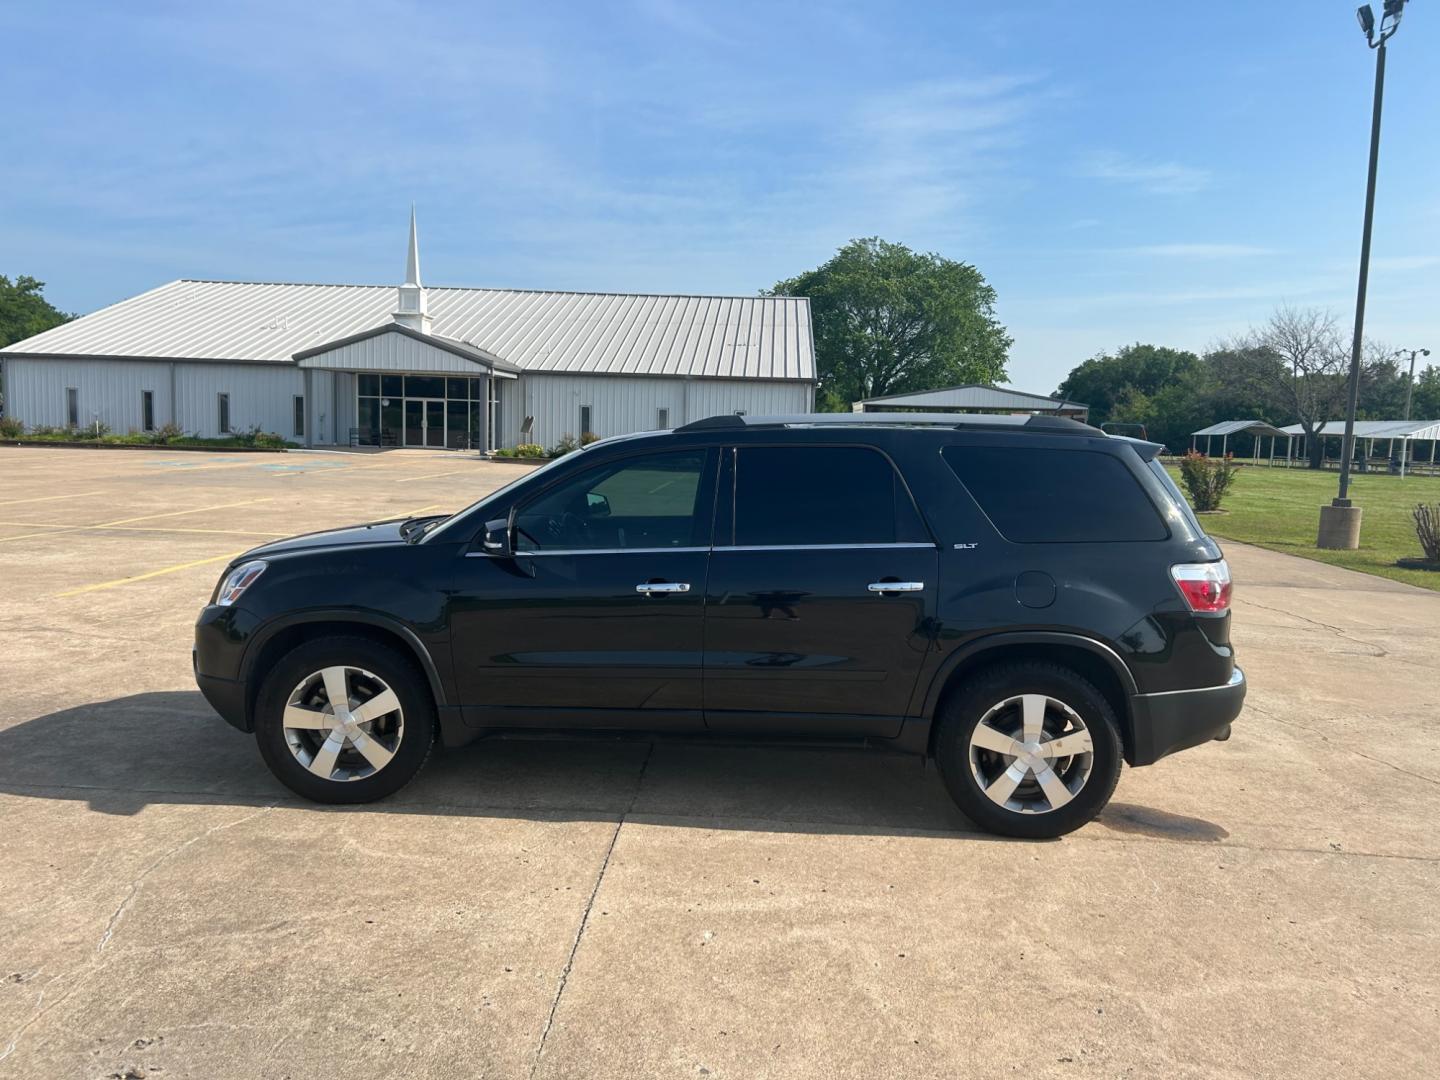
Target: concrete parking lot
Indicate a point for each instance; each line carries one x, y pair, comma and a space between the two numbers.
1261, 908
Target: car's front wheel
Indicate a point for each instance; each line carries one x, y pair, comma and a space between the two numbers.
344, 720
1029, 749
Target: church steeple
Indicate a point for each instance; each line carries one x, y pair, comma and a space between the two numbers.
411, 310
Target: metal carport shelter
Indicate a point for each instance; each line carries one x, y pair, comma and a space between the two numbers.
1403, 431
1226, 428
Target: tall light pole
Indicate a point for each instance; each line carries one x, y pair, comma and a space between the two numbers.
1410, 386
1340, 521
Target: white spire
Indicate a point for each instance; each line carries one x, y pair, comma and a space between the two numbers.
411, 311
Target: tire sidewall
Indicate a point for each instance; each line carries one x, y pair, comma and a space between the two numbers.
964, 710
395, 670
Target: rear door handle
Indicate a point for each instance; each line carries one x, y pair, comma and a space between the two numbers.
650, 588
897, 586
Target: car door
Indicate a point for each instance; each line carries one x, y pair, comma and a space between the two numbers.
802, 637
596, 619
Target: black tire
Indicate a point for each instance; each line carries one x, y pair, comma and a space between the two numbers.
962, 712
399, 672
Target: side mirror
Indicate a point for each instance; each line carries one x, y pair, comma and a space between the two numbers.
597, 505
497, 538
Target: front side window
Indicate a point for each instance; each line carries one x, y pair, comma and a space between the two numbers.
1034, 495
585, 427
223, 407
72, 406
651, 501
820, 495
147, 410
299, 424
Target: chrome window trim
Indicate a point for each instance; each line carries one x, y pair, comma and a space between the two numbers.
913, 544
586, 551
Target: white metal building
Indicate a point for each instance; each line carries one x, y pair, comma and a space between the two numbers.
443, 367
973, 398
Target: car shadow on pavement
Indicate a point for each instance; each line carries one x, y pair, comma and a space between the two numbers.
169, 747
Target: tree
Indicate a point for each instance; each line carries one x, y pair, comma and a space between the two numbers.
24, 311
1125, 387
1299, 361
890, 320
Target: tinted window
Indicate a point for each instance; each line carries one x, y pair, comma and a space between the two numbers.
640, 502
819, 495
1036, 496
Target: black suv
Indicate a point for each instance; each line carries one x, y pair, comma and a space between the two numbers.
1025, 599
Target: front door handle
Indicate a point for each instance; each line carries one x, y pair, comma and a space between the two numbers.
650, 588
897, 586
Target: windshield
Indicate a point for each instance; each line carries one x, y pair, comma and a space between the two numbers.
438, 531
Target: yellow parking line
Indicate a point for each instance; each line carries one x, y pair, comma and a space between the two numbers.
127, 521
151, 574
142, 528
429, 476
50, 498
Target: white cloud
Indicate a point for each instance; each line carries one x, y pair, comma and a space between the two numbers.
1161, 177
1200, 251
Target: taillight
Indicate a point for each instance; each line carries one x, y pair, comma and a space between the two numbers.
1205, 586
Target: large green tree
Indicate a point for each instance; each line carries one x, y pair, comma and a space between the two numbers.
1113, 385
889, 320
24, 311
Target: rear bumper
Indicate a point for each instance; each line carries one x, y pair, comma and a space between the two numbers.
1180, 719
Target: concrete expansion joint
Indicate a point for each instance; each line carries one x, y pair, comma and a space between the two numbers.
589, 905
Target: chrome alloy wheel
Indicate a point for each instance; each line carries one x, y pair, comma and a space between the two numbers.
343, 723
1031, 753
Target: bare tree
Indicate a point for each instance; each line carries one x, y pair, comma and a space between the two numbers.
1301, 364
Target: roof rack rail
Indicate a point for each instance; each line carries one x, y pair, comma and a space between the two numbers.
1058, 425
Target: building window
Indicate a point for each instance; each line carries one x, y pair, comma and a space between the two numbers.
224, 405
299, 416
585, 428
147, 410
72, 406
662, 419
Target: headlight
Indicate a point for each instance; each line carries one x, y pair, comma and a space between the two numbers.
238, 580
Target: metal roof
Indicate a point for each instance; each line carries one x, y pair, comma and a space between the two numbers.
1235, 427
1377, 429
756, 337
973, 396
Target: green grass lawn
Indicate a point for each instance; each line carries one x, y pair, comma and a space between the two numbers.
1279, 509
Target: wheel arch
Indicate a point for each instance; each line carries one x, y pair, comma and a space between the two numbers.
277, 638
1089, 658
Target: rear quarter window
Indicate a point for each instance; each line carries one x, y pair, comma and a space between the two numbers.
1034, 495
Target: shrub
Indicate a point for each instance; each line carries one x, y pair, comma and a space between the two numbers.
566, 445
588, 437
268, 440
1427, 530
1206, 479
530, 450
11, 428
165, 433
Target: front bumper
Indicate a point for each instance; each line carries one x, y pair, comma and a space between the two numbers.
215, 657
1177, 720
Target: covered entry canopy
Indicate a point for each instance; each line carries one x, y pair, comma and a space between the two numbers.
406, 387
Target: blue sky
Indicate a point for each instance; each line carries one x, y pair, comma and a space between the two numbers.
1119, 172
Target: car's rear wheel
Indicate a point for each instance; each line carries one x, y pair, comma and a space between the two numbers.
1029, 749
344, 720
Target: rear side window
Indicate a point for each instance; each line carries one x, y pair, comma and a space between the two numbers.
808, 495
1039, 496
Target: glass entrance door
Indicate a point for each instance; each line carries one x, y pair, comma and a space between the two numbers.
414, 422
424, 422
435, 423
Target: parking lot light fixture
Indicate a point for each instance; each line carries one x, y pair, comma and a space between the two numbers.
1340, 521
